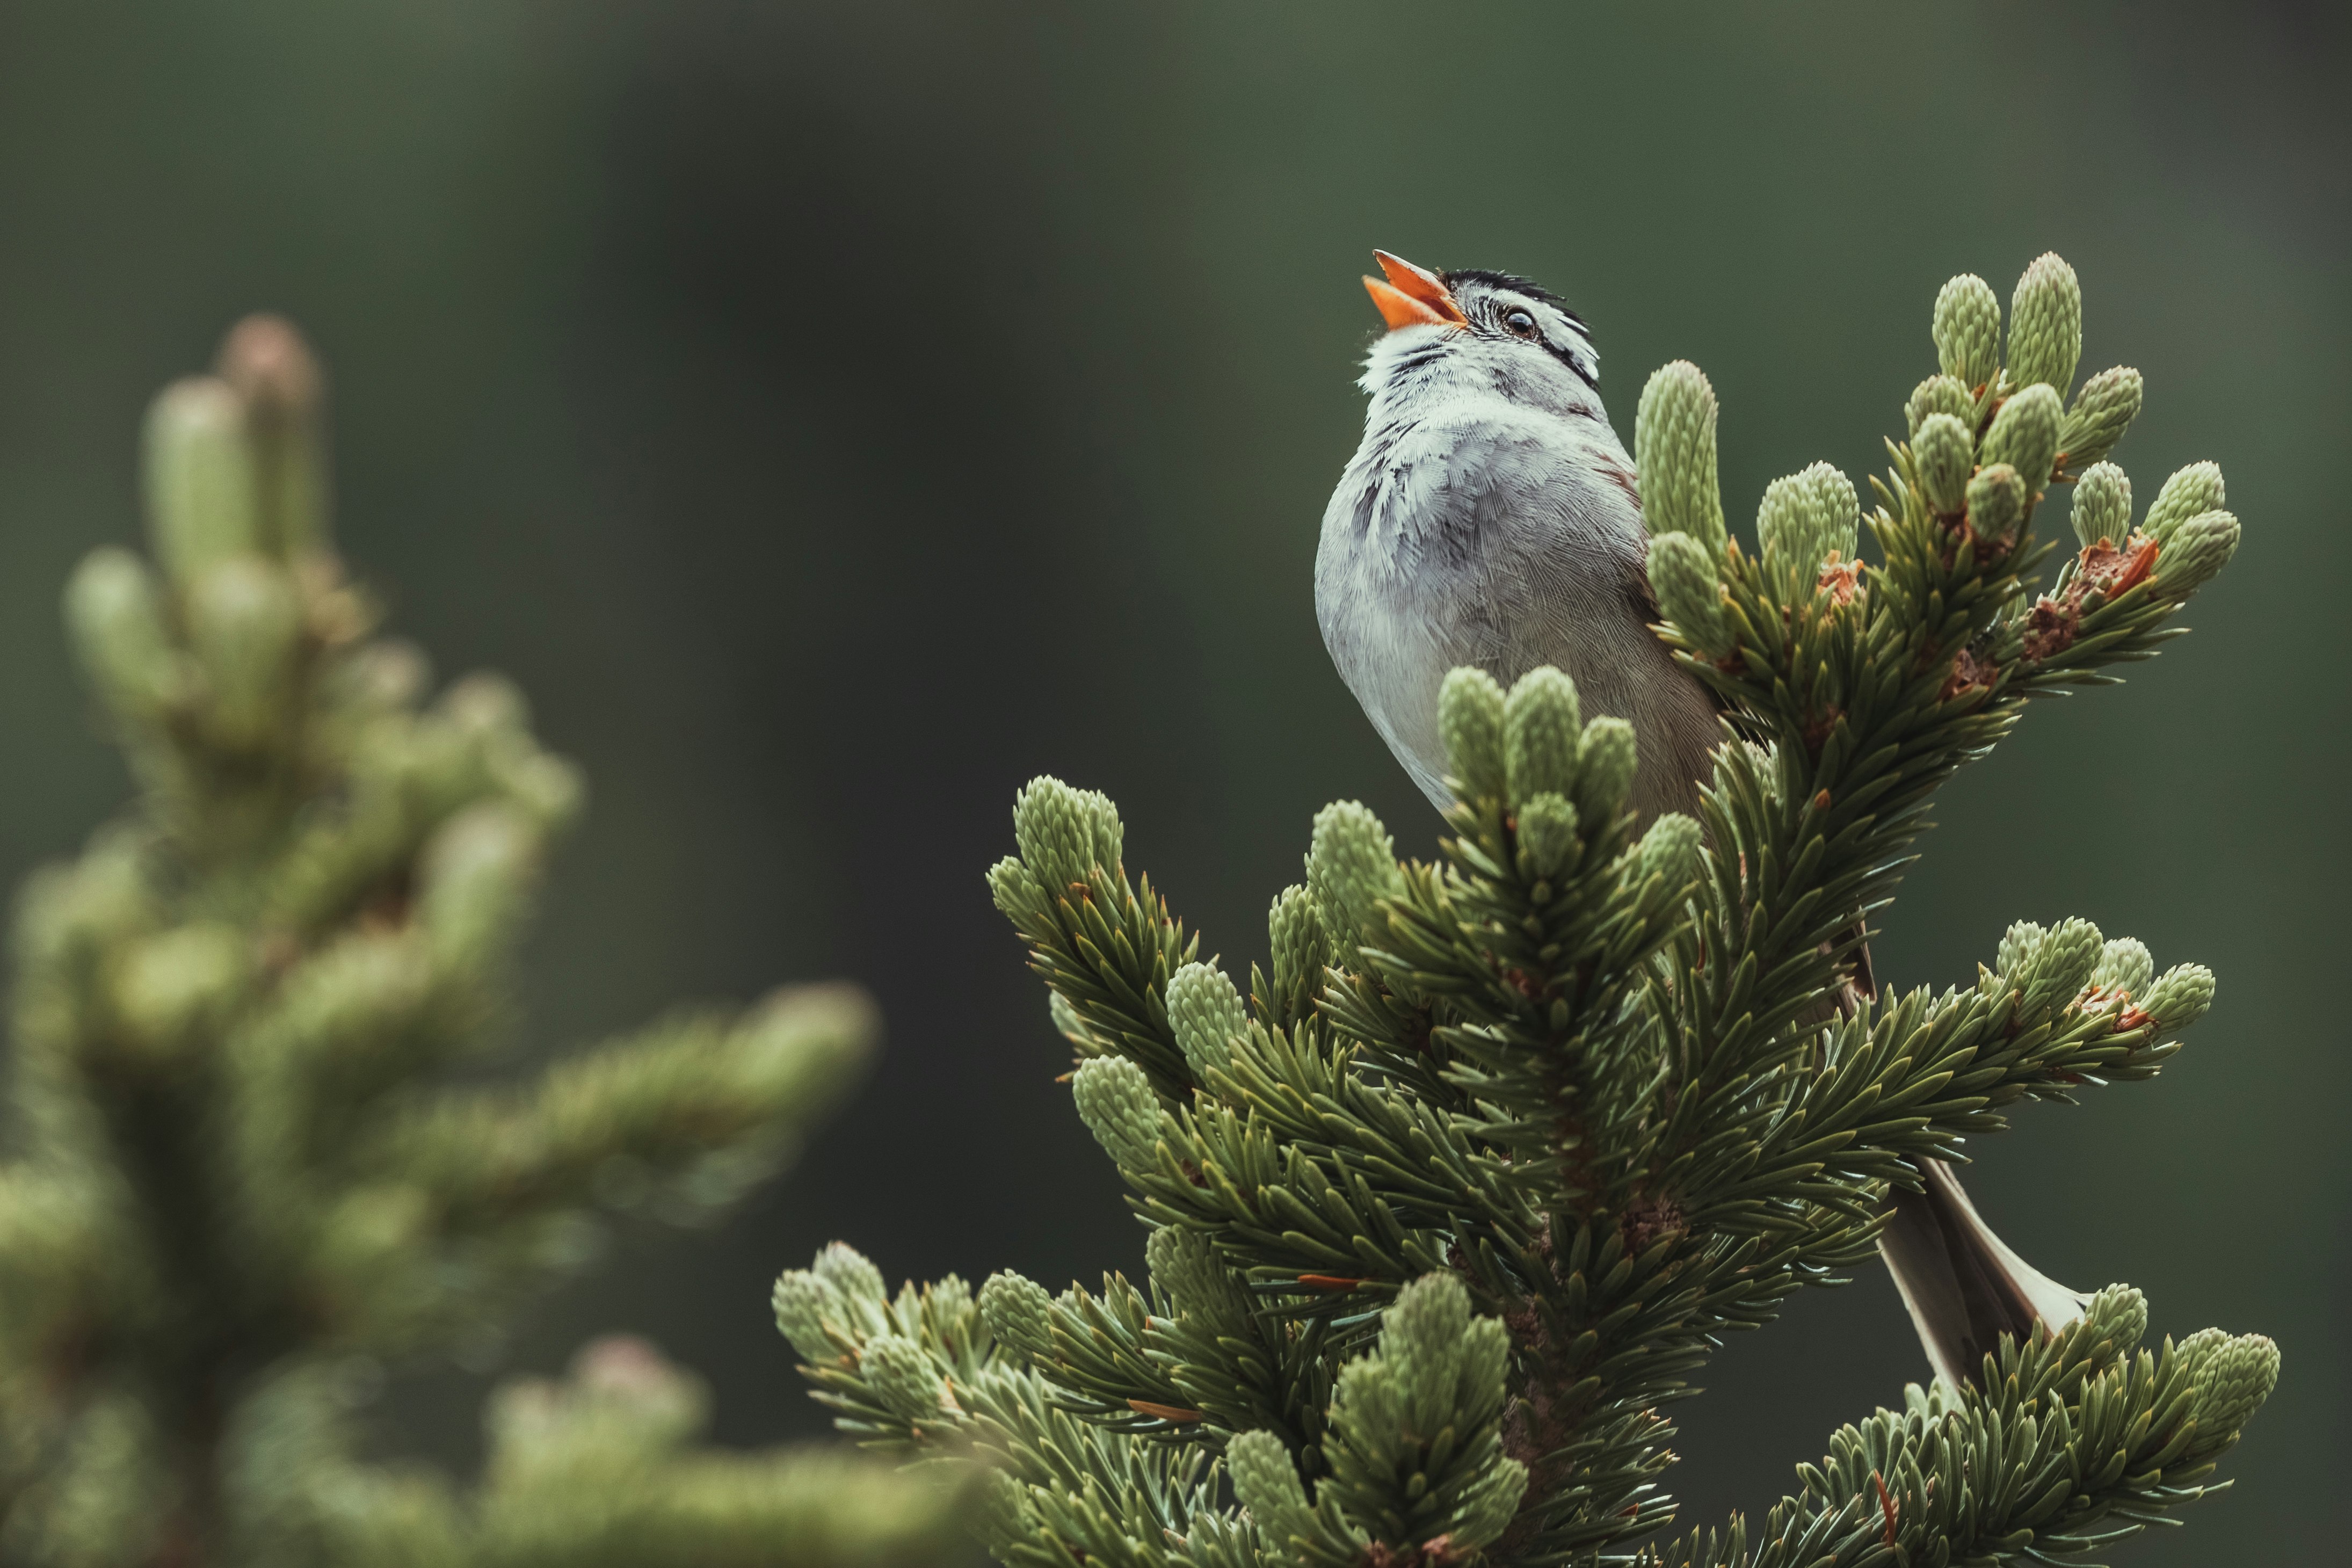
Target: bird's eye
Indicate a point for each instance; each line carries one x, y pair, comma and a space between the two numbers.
1519, 323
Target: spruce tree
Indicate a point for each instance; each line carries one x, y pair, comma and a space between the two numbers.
250, 1159
1454, 1201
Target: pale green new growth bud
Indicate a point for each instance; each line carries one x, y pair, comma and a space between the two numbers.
1116, 1102
1939, 395
117, 621
1470, 720
1064, 833
1205, 1011
2181, 994
1547, 832
1833, 512
475, 875
2194, 490
2045, 324
1013, 891
902, 1377
1267, 1483
1996, 501
2195, 551
2119, 1315
2102, 502
1431, 1341
485, 705
2024, 435
1349, 868
2059, 967
2194, 1354
1946, 457
852, 1273
245, 628
175, 991
2125, 965
1437, 1373
2233, 1380
1540, 722
199, 477
2018, 944
1184, 1264
273, 370
548, 788
1804, 517
1670, 849
812, 1035
1673, 451
2102, 414
804, 1303
1107, 831
1301, 948
1604, 766
1967, 331
1781, 513
1683, 574
1018, 1312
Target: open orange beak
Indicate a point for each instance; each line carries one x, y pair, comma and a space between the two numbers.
1412, 296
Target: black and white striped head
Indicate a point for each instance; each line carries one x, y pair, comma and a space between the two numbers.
1488, 328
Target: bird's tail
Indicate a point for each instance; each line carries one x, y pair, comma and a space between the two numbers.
1963, 1285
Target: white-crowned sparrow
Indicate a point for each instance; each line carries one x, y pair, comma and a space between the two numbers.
1491, 518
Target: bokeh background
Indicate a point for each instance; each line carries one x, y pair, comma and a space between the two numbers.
835, 414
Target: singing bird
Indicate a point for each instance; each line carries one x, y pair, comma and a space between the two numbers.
1490, 517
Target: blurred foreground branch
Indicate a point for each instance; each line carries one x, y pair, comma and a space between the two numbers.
240, 1177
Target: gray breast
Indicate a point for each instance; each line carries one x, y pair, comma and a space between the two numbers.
1487, 534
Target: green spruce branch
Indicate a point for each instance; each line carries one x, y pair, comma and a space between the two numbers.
239, 1175
1448, 1211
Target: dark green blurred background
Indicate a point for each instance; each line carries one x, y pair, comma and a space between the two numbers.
835, 414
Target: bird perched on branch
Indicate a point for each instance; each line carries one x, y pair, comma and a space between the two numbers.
1491, 517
